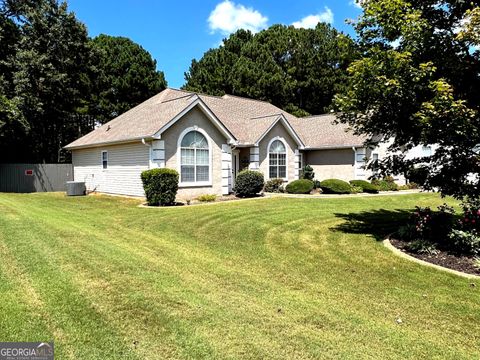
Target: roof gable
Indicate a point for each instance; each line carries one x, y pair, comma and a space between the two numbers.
243, 121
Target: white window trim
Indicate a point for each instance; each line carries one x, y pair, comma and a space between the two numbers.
281, 139
179, 158
101, 159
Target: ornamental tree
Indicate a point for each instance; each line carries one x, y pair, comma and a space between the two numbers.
417, 83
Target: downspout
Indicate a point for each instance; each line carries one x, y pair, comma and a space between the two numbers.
149, 152
354, 162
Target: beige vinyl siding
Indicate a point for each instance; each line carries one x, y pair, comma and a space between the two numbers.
195, 117
278, 130
125, 164
331, 164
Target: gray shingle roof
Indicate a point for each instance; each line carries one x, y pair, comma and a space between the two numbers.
246, 119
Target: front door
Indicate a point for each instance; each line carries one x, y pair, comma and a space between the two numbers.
235, 165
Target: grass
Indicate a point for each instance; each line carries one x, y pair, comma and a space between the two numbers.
268, 278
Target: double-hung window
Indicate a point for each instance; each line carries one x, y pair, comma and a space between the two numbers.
105, 159
277, 155
194, 158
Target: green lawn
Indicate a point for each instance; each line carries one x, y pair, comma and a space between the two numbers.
268, 278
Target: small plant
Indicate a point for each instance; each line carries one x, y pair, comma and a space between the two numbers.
160, 186
465, 242
365, 186
316, 184
207, 198
301, 186
248, 183
335, 186
307, 173
274, 186
385, 184
421, 246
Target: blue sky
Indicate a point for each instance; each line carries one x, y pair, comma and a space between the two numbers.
175, 32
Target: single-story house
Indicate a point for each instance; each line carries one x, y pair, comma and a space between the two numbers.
209, 139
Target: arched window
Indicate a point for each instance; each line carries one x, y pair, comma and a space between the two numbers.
194, 158
277, 160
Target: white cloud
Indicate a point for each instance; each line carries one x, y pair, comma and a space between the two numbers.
356, 3
227, 17
310, 21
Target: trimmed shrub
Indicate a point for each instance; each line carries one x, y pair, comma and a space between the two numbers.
274, 186
335, 186
307, 173
386, 184
301, 186
248, 183
160, 186
356, 189
365, 185
207, 198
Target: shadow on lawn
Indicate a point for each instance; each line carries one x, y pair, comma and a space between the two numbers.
378, 223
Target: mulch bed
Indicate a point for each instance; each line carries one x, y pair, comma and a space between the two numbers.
460, 263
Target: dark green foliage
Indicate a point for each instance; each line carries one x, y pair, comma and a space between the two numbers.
421, 246
248, 183
465, 242
55, 83
301, 186
48, 64
365, 186
422, 90
160, 185
307, 173
385, 184
316, 184
335, 186
126, 76
274, 186
298, 70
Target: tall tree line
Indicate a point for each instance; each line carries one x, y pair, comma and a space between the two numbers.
299, 70
56, 82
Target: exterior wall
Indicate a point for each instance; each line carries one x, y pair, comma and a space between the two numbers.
125, 164
278, 130
193, 118
331, 164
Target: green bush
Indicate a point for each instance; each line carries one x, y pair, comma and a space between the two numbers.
274, 186
301, 186
385, 184
307, 173
465, 243
421, 246
248, 183
365, 185
335, 186
356, 189
316, 184
207, 198
160, 186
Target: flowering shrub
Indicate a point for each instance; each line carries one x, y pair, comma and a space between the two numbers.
471, 215
439, 228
